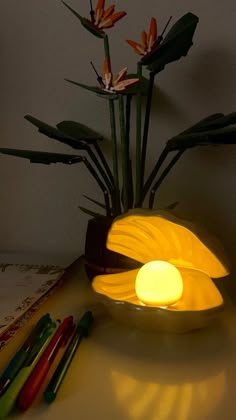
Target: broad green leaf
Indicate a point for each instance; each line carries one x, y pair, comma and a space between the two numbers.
219, 122
204, 138
133, 90
89, 212
99, 92
43, 157
57, 134
86, 23
95, 202
176, 44
202, 123
78, 131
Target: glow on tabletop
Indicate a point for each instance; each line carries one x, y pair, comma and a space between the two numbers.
123, 373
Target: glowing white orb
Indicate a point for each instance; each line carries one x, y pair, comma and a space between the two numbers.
159, 283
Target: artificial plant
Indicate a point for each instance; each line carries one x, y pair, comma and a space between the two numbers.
155, 52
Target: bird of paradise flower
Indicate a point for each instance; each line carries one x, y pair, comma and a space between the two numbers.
118, 84
103, 19
100, 18
150, 40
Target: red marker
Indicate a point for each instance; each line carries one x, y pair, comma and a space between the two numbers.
33, 384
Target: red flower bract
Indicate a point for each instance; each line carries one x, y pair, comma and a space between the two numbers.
149, 41
103, 19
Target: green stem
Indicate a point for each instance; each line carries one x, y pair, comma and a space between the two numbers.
153, 174
125, 155
162, 177
100, 168
99, 182
104, 161
127, 139
106, 48
146, 124
127, 120
116, 197
116, 204
138, 185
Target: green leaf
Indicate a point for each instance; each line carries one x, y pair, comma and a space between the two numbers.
176, 44
46, 129
89, 212
142, 86
86, 23
95, 202
78, 131
55, 133
204, 138
220, 121
99, 92
200, 125
43, 157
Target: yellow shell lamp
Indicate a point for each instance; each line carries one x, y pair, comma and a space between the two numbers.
173, 290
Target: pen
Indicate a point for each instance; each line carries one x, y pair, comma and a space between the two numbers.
8, 399
33, 384
21, 355
82, 330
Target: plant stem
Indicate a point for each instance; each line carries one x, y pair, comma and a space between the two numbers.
127, 120
162, 177
106, 48
99, 182
100, 168
127, 139
117, 206
104, 161
138, 185
146, 124
153, 174
125, 154
116, 197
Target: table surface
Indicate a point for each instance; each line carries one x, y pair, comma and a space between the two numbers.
123, 373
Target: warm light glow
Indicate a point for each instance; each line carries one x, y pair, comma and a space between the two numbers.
159, 283
146, 235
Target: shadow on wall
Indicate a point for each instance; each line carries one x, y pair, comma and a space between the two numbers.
210, 83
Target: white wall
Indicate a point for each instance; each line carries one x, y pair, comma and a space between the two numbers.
41, 43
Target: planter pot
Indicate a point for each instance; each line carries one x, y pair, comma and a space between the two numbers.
99, 259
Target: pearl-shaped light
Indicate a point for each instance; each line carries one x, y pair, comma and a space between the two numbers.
159, 283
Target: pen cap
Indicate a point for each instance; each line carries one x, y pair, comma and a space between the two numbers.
85, 323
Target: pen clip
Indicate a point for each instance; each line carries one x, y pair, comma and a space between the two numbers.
63, 337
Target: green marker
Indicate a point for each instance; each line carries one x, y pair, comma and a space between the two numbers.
8, 399
82, 330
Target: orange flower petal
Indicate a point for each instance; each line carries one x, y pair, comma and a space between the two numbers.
113, 19
125, 83
107, 76
99, 11
144, 39
152, 36
138, 48
117, 16
120, 75
106, 66
100, 5
108, 12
